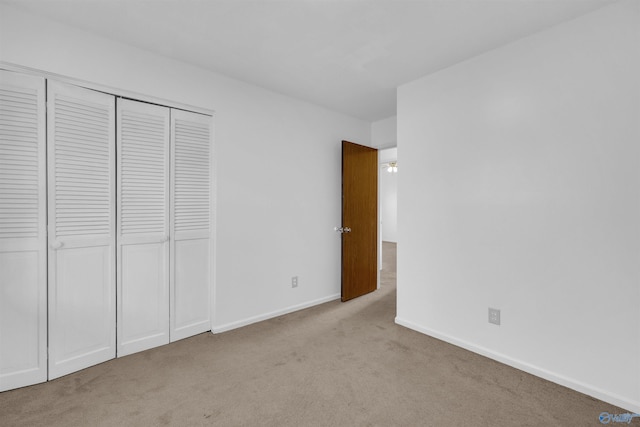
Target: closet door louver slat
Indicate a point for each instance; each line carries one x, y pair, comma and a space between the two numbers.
191, 224
23, 260
81, 151
192, 179
143, 226
19, 151
72, 146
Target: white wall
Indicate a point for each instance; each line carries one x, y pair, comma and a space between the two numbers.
388, 196
278, 164
384, 133
520, 190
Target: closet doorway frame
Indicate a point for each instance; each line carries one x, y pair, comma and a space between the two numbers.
150, 99
120, 93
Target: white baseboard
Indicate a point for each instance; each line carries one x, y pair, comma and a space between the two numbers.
244, 322
573, 384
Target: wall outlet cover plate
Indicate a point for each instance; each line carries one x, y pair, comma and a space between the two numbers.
494, 316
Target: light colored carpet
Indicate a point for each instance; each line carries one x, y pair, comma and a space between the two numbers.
337, 364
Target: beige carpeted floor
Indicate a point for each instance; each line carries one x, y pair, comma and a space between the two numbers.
337, 364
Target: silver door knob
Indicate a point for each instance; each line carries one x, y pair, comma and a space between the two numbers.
342, 229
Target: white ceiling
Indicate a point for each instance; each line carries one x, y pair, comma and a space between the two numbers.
346, 55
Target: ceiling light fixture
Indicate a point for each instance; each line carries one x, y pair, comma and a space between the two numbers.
392, 167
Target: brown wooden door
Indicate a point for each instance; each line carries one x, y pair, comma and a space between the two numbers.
359, 220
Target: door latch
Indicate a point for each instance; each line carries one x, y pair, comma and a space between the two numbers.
342, 229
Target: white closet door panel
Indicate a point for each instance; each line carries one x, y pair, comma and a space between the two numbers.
82, 332
23, 260
143, 226
23, 336
191, 295
143, 312
82, 280
191, 223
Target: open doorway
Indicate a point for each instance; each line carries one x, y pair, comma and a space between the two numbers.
388, 208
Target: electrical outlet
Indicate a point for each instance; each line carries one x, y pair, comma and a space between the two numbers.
294, 282
494, 316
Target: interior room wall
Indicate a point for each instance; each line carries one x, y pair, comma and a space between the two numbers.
520, 191
384, 133
388, 196
278, 164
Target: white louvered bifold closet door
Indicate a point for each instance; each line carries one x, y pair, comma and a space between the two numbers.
143, 226
23, 238
191, 223
82, 228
